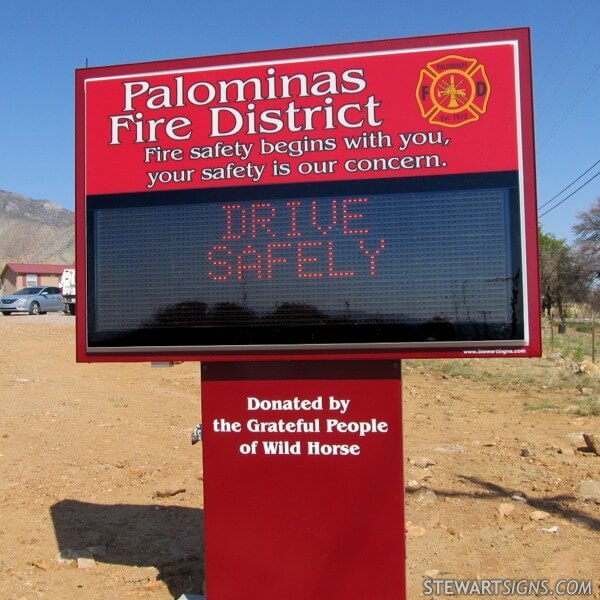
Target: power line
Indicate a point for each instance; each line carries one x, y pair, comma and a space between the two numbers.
559, 47
566, 188
571, 194
568, 70
571, 107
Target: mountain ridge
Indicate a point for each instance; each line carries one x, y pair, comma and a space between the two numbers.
35, 231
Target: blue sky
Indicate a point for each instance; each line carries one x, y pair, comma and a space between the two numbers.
42, 43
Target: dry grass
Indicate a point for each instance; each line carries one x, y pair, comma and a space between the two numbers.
559, 378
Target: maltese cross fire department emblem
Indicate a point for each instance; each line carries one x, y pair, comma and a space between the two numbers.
453, 91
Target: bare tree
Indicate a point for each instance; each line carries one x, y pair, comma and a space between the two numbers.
587, 232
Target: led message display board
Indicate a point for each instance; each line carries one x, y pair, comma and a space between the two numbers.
372, 199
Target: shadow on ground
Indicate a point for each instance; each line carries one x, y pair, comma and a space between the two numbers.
567, 507
170, 538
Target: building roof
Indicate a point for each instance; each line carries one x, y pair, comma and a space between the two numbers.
35, 268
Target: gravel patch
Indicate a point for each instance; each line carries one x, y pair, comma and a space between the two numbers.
51, 318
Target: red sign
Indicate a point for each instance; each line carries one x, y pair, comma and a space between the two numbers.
304, 490
372, 198
357, 115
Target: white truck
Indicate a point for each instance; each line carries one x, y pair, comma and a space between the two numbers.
67, 289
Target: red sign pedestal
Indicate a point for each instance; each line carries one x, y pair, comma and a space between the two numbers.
303, 475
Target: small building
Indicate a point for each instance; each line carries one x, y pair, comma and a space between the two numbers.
15, 276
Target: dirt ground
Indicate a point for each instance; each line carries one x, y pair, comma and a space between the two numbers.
101, 490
